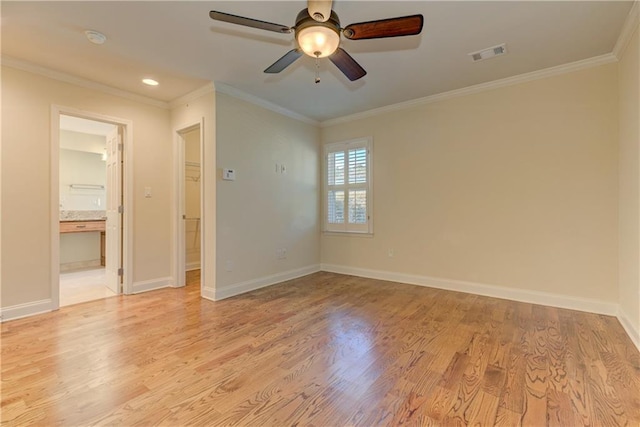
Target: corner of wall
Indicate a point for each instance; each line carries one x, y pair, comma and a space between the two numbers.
630, 24
629, 327
262, 282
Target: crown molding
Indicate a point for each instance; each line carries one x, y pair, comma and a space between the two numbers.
630, 24
482, 87
79, 81
185, 99
237, 93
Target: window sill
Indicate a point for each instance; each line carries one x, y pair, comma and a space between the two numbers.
346, 234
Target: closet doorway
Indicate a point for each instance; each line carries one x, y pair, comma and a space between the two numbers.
190, 209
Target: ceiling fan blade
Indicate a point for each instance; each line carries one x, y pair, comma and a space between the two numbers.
347, 64
393, 27
248, 22
282, 63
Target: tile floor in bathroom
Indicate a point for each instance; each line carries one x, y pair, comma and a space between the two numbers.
83, 285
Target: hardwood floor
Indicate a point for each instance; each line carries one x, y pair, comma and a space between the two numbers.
323, 350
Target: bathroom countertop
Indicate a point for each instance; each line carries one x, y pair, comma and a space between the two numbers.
83, 215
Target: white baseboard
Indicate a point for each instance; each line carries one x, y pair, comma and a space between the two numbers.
150, 285
629, 327
251, 285
521, 295
208, 293
24, 310
79, 265
192, 266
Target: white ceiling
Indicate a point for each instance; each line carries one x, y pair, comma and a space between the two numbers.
178, 44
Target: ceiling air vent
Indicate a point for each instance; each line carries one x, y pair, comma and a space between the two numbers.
489, 52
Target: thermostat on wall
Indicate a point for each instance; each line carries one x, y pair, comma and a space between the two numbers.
229, 174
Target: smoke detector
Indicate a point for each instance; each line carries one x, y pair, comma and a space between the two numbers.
488, 53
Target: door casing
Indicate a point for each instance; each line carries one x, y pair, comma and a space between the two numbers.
127, 195
179, 267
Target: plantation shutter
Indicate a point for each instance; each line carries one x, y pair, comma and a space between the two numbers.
348, 187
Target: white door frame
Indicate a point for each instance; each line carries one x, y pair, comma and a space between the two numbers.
113, 224
127, 196
179, 267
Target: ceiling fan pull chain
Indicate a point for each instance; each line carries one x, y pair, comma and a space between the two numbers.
317, 68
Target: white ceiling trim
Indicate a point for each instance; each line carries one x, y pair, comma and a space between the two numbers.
185, 99
236, 93
630, 24
482, 87
78, 81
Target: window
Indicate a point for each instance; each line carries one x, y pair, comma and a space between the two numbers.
348, 190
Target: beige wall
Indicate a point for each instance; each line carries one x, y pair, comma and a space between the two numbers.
26, 186
515, 187
629, 90
263, 211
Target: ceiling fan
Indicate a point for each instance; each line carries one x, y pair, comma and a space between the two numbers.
317, 32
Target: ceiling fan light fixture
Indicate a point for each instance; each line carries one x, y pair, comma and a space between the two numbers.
318, 41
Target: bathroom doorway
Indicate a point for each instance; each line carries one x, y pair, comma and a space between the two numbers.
87, 184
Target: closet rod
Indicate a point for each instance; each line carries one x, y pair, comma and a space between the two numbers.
87, 186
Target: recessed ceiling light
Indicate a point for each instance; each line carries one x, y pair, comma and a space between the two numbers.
150, 82
95, 37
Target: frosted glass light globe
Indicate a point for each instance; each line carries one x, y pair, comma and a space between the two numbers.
318, 41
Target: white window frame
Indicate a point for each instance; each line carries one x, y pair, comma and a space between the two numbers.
346, 227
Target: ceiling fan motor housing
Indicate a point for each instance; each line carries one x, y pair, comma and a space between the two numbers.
303, 20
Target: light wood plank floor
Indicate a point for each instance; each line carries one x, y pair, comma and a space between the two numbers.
324, 350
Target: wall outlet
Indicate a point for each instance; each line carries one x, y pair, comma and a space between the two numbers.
281, 253
228, 265
391, 253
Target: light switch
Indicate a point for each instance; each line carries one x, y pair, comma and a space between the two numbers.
229, 174
147, 192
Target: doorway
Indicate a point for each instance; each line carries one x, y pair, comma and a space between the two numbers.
89, 241
190, 207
